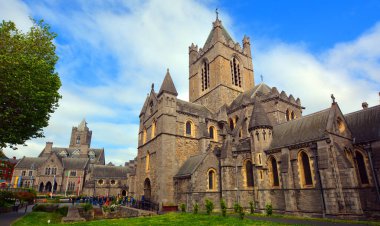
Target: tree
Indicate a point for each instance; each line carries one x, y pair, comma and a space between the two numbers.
28, 82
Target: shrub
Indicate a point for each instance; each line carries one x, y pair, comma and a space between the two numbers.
251, 207
45, 208
240, 210
183, 207
87, 207
236, 207
195, 208
223, 207
62, 210
268, 209
209, 206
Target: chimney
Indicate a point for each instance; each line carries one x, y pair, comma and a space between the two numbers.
14, 157
365, 105
48, 147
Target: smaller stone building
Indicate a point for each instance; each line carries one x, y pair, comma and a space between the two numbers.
77, 169
6, 169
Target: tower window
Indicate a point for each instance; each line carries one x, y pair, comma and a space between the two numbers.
211, 132
147, 162
205, 73
235, 72
287, 115
144, 136
292, 115
78, 140
153, 128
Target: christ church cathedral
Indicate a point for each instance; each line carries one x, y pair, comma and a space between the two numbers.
244, 142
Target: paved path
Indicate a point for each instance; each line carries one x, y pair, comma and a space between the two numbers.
7, 218
301, 221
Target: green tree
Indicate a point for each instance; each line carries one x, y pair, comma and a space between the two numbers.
28, 82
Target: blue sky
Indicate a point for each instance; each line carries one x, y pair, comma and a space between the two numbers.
112, 51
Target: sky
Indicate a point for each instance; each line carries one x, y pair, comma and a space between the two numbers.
110, 52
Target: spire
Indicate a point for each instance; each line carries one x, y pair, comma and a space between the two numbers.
217, 34
83, 125
259, 117
168, 85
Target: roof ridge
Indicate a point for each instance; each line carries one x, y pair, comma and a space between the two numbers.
362, 110
303, 117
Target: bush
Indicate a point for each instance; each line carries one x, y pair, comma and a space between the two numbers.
223, 207
209, 206
195, 208
45, 208
251, 207
240, 210
268, 209
236, 207
87, 207
63, 210
183, 207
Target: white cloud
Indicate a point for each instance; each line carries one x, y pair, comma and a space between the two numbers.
350, 71
16, 11
110, 54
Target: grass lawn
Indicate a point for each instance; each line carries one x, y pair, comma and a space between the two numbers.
41, 218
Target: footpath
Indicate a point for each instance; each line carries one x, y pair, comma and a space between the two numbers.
302, 221
7, 218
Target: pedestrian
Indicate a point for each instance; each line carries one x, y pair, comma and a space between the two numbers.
26, 207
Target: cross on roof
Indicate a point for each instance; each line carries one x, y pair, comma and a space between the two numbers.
262, 78
217, 13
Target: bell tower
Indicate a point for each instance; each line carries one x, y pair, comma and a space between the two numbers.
221, 70
80, 135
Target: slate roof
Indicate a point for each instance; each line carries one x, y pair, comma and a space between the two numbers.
249, 95
98, 152
191, 164
192, 108
214, 35
259, 117
101, 171
28, 162
307, 128
74, 163
168, 85
364, 124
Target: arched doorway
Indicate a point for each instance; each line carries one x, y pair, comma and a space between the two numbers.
147, 189
124, 193
48, 186
41, 189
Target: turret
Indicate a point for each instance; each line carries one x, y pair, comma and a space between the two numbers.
193, 53
167, 98
247, 46
260, 129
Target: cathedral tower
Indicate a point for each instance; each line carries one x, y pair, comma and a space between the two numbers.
80, 135
219, 71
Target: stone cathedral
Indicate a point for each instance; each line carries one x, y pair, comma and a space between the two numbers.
241, 142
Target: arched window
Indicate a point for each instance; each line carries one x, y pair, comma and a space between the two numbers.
287, 115
205, 72
340, 125
78, 140
189, 128
292, 115
231, 122
153, 128
249, 173
360, 163
274, 171
211, 179
235, 72
211, 132
147, 162
305, 171
144, 136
